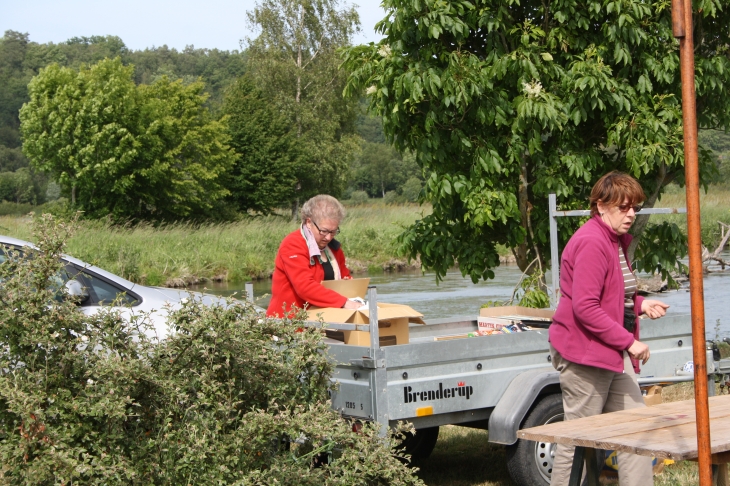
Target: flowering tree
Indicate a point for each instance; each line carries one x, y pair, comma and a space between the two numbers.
505, 102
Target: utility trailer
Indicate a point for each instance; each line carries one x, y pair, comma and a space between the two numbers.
500, 383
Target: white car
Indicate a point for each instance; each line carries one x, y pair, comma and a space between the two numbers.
94, 288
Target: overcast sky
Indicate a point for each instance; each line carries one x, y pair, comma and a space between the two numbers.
146, 23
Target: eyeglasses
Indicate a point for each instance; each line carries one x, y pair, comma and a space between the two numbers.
624, 208
326, 232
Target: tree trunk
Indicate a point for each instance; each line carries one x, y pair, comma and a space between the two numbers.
295, 209
73, 194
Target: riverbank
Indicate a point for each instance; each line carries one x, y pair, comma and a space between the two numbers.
184, 254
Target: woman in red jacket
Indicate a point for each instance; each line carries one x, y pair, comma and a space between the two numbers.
594, 337
306, 257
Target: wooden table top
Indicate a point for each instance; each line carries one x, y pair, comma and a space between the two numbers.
663, 431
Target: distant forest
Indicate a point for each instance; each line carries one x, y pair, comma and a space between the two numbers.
374, 169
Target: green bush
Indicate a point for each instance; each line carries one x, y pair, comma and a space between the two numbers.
412, 189
359, 197
230, 397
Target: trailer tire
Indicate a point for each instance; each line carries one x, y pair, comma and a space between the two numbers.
530, 463
420, 445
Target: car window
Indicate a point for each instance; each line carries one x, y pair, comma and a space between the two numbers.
101, 291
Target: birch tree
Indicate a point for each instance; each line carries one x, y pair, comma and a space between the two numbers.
294, 62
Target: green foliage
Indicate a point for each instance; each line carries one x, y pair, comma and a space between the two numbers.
295, 64
229, 398
22, 186
504, 102
147, 152
661, 246
412, 189
719, 143
265, 174
378, 168
359, 197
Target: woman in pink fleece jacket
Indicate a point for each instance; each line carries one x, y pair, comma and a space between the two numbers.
594, 337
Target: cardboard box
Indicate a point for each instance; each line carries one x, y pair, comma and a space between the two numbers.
653, 395
354, 287
393, 320
516, 310
526, 315
488, 322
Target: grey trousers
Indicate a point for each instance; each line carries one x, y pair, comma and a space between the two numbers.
588, 391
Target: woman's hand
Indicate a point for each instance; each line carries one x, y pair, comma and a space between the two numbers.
351, 304
654, 308
639, 350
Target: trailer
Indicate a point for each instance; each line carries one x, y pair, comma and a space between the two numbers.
500, 383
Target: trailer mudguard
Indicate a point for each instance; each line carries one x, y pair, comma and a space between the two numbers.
523, 390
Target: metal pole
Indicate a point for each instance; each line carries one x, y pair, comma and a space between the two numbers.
249, 292
379, 376
554, 262
684, 32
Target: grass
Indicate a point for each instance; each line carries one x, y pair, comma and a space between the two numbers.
714, 207
464, 457
182, 253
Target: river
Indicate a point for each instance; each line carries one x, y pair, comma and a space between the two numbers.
457, 296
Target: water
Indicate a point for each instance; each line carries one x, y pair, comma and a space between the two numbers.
457, 296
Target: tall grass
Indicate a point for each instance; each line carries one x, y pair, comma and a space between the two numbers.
714, 207
182, 253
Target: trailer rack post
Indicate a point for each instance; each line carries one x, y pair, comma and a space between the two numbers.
379, 378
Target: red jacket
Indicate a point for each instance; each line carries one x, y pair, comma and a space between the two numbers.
588, 326
297, 278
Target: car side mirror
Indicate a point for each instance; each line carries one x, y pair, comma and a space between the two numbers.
76, 292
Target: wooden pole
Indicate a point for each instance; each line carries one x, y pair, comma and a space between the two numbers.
684, 32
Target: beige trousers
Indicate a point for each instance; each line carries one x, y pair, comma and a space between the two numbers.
588, 391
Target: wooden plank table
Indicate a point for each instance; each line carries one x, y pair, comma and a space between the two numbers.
666, 431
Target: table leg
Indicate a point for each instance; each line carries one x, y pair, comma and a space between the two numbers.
587, 454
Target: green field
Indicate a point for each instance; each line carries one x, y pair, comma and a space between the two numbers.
181, 253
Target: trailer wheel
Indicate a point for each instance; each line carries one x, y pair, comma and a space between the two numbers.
420, 445
529, 462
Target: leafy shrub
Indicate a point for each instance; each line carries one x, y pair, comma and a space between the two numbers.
359, 197
230, 397
392, 197
14, 209
412, 189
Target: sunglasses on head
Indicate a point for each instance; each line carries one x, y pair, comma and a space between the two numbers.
624, 208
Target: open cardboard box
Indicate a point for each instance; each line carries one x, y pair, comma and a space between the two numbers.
352, 287
516, 310
393, 320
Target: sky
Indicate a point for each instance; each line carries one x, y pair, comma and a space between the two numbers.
151, 23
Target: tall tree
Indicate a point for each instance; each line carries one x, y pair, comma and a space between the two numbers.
147, 152
505, 101
295, 63
265, 173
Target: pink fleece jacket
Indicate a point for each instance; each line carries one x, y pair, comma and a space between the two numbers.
588, 326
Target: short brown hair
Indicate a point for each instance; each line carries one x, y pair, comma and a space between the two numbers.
613, 189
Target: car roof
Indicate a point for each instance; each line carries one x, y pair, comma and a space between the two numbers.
8, 240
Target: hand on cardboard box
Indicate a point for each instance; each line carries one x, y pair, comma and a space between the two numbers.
351, 304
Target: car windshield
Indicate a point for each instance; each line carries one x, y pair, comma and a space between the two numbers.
100, 290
